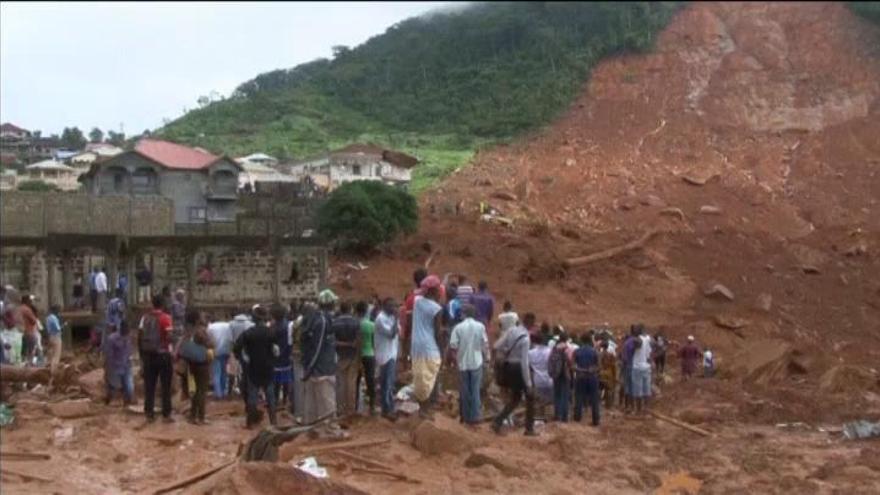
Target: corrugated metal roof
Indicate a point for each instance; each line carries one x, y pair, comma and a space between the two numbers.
50, 165
173, 155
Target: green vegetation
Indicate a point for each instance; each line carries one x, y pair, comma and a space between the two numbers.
37, 186
868, 10
438, 86
362, 215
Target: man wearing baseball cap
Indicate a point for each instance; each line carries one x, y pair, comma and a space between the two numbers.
319, 361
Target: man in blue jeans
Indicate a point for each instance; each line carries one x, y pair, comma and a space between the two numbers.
257, 343
221, 333
385, 339
586, 379
469, 345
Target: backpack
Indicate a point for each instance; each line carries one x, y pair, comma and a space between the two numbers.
558, 363
150, 340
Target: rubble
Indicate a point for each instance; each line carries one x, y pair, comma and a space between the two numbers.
718, 291
431, 439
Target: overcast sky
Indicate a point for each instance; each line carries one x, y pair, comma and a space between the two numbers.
106, 64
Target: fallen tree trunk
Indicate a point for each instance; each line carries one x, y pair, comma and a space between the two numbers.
24, 456
612, 252
192, 479
15, 374
680, 424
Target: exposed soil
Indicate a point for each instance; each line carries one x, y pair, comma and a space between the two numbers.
748, 139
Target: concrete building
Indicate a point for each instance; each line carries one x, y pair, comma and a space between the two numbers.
258, 158
254, 173
93, 153
202, 186
356, 162
8, 180
52, 172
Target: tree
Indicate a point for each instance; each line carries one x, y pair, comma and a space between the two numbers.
72, 138
116, 138
37, 186
96, 135
361, 215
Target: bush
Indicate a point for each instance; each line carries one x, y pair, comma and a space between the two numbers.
361, 215
37, 185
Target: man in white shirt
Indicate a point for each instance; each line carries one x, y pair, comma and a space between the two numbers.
641, 371
221, 332
385, 340
508, 318
101, 288
469, 344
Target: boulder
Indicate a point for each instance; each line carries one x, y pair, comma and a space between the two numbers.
92, 384
431, 439
492, 457
651, 200
698, 178
673, 212
570, 162
764, 302
718, 291
710, 210
70, 409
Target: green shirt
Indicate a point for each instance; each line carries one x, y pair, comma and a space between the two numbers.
367, 330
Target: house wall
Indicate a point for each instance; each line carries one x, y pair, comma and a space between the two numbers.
242, 275
186, 189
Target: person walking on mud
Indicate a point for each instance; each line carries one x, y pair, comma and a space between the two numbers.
689, 355
512, 349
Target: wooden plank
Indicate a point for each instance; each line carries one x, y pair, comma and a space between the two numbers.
378, 467
343, 445
24, 456
680, 424
26, 476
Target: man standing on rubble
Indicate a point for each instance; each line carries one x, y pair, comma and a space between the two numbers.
387, 329
346, 330
319, 361
154, 344
690, 355
469, 347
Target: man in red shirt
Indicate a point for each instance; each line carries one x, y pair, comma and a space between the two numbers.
154, 344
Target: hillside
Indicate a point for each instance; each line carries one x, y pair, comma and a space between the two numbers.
748, 140
439, 86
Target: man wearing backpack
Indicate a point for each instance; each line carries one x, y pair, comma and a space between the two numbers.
154, 344
512, 351
319, 361
560, 372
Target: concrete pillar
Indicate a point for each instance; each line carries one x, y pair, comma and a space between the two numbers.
50, 279
66, 280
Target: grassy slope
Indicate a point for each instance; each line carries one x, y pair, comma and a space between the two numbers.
439, 87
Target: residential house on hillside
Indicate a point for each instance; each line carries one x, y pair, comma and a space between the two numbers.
255, 173
203, 186
52, 172
8, 180
94, 152
258, 158
356, 162
11, 132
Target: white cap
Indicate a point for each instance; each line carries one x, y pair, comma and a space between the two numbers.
690, 338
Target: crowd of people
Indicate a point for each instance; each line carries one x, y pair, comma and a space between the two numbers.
347, 355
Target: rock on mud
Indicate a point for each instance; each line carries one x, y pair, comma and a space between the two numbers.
718, 291
492, 457
431, 439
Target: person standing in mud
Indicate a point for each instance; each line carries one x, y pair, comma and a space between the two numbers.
512, 349
426, 356
641, 370
178, 316
257, 345
200, 369
407, 319
346, 329
283, 363
626, 356
387, 330
319, 361
586, 379
689, 355
154, 344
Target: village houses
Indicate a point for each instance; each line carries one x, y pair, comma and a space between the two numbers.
356, 162
203, 186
